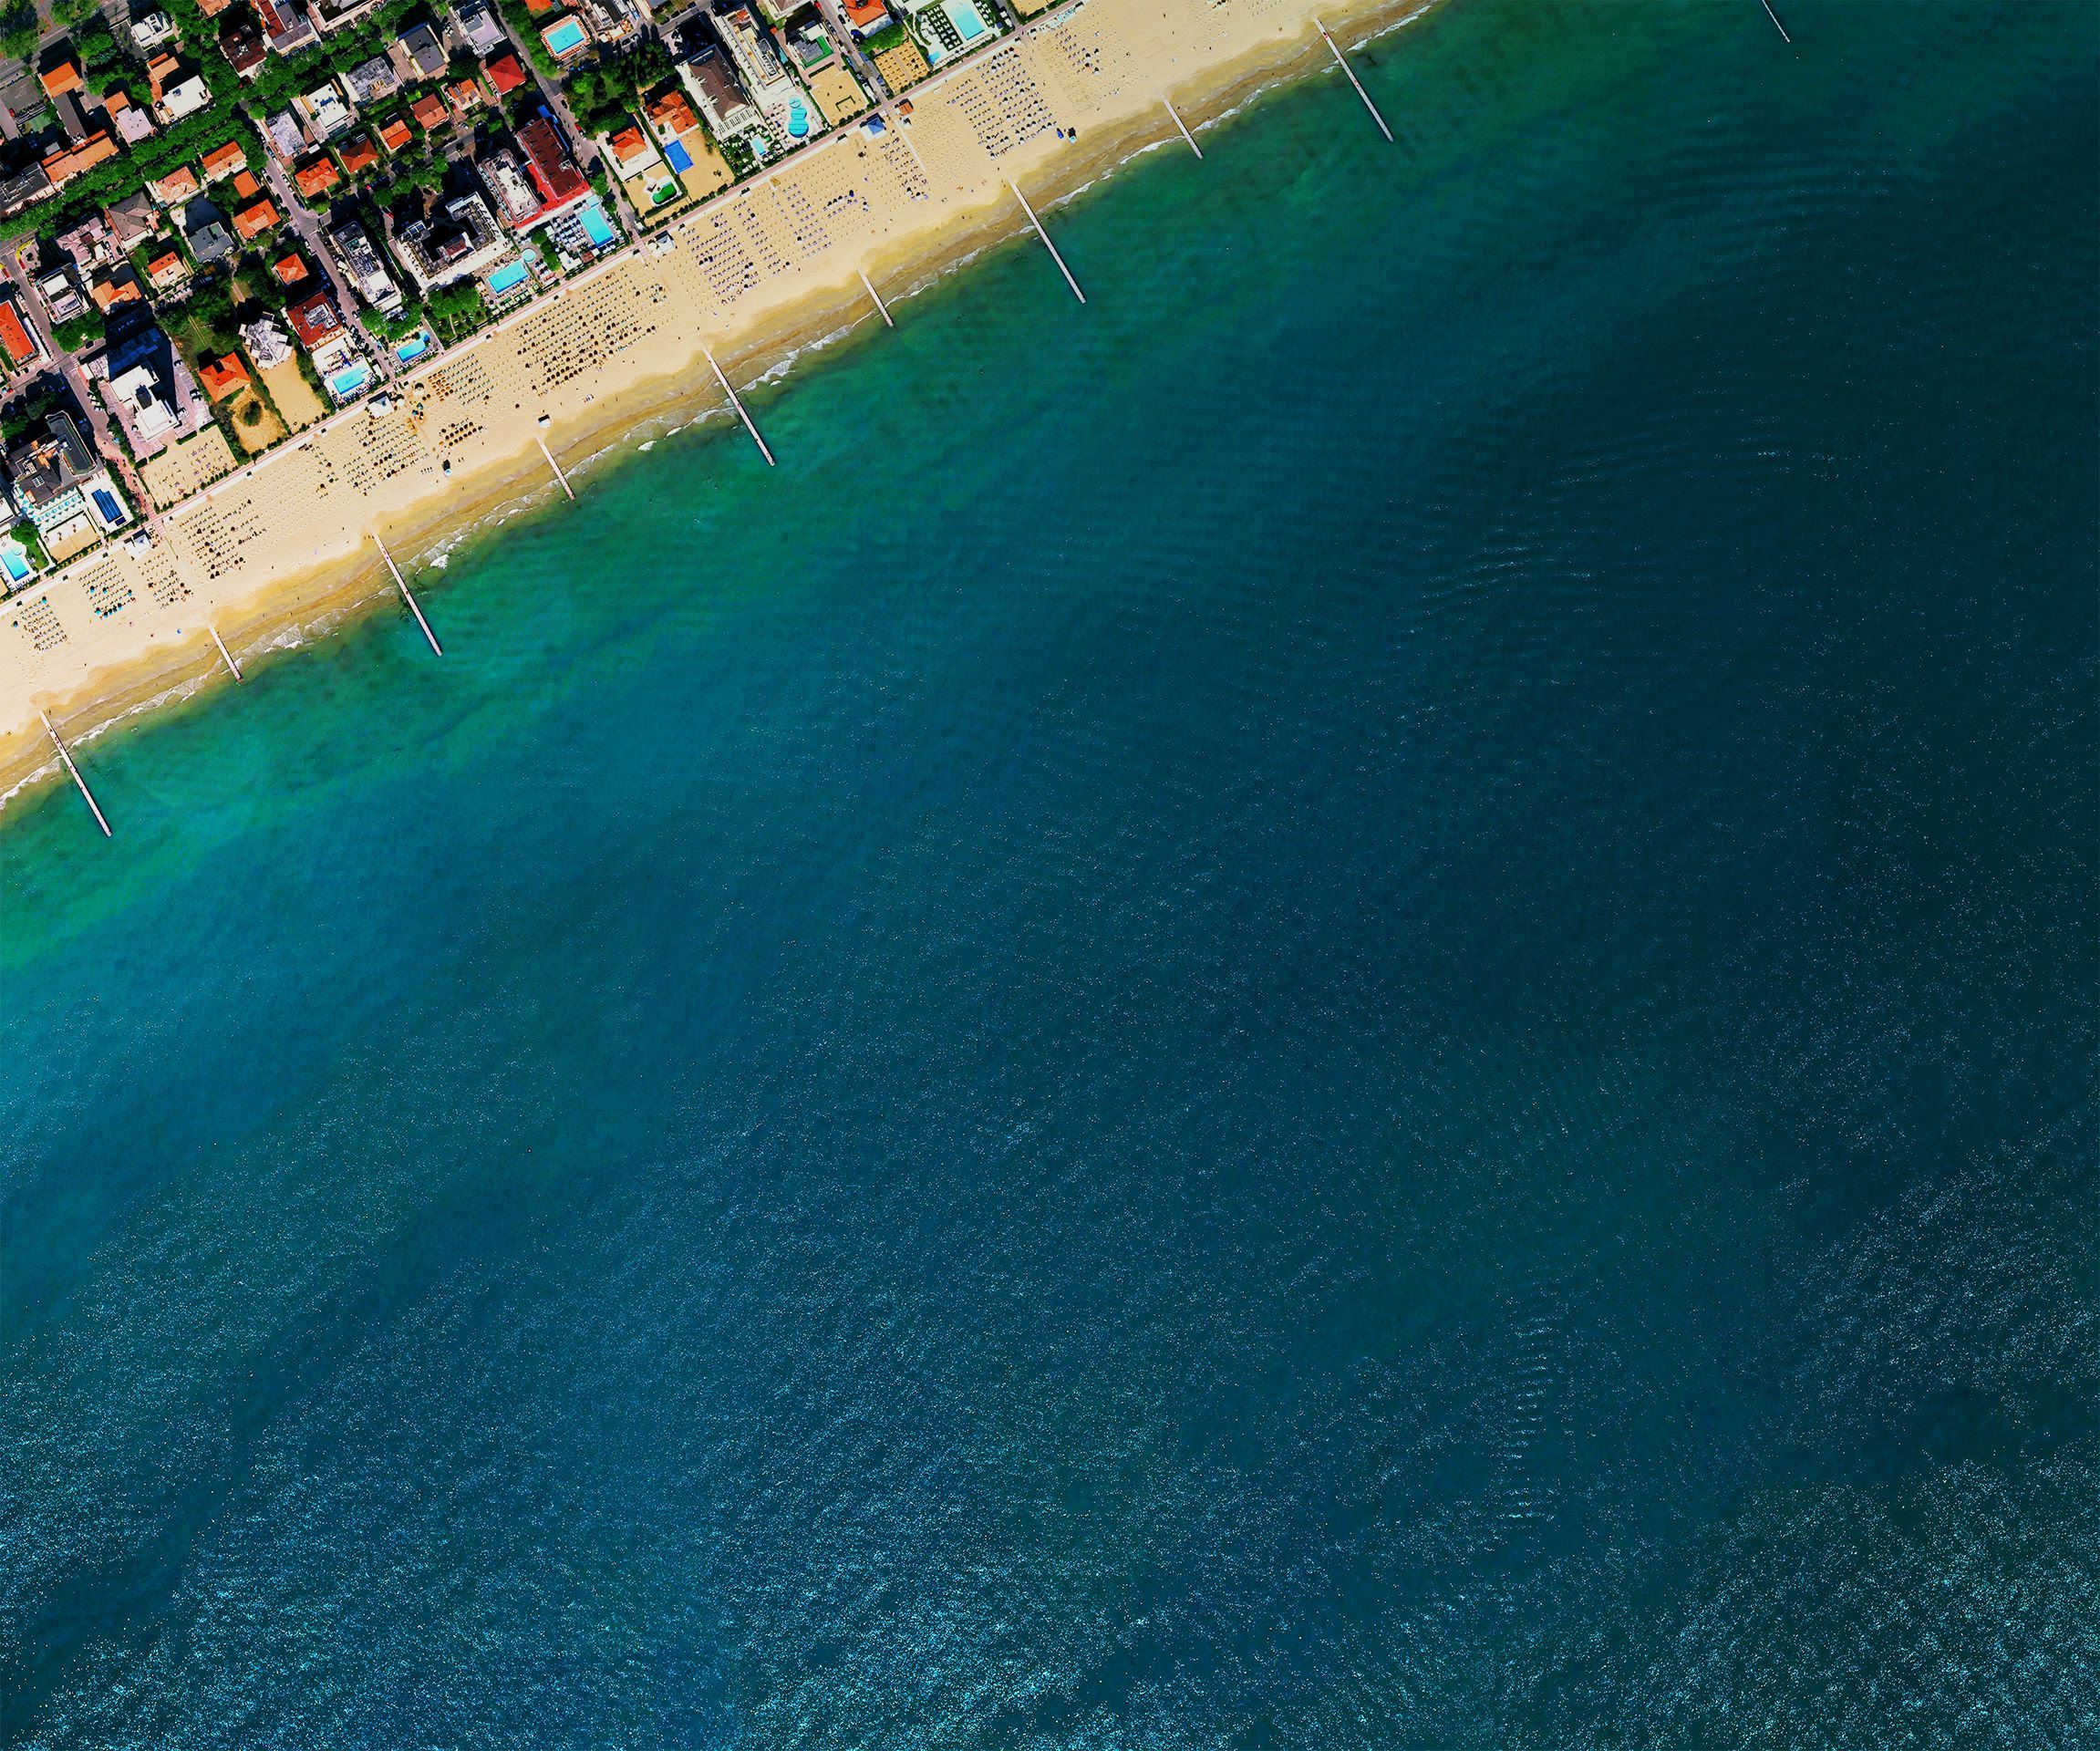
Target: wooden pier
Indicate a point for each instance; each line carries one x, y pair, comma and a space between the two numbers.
735, 402
401, 584
552, 463
1045, 236
1179, 123
95, 807
223, 650
1349, 73
888, 322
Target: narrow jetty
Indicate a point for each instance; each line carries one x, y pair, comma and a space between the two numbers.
887, 321
94, 806
1775, 24
1045, 236
552, 463
401, 584
1349, 73
735, 402
1179, 123
223, 650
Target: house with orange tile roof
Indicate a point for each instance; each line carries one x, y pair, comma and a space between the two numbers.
430, 111
866, 17
177, 185
672, 114
223, 160
395, 134
17, 338
246, 186
61, 73
358, 154
316, 178
120, 285
289, 269
251, 222
630, 152
465, 95
63, 166
505, 76
166, 270
223, 377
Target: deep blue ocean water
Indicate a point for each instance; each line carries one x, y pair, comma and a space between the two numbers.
1348, 1004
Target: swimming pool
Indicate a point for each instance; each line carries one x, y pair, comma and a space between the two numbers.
106, 503
963, 16
798, 118
415, 347
564, 38
677, 158
596, 227
15, 561
508, 278
349, 380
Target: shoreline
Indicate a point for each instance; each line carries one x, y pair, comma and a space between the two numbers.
292, 605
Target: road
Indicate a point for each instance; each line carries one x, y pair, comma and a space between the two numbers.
306, 225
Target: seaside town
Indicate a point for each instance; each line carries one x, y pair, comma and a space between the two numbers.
221, 221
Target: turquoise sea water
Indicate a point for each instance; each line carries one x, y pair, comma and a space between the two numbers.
1346, 1003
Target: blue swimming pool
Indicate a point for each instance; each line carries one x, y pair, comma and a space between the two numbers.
106, 503
798, 118
677, 158
565, 37
15, 561
596, 227
508, 278
415, 347
963, 16
349, 380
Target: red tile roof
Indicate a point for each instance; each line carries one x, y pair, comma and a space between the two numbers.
252, 222
221, 376
673, 114
559, 181
179, 184
317, 177
245, 187
223, 161
505, 73
20, 345
289, 269
429, 110
358, 154
313, 319
63, 76
465, 95
395, 134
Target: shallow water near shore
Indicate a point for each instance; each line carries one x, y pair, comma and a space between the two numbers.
1347, 1002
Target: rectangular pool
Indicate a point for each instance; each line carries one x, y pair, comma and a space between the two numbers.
677, 158
963, 16
596, 227
415, 347
564, 38
347, 381
15, 561
106, 503
508, 278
